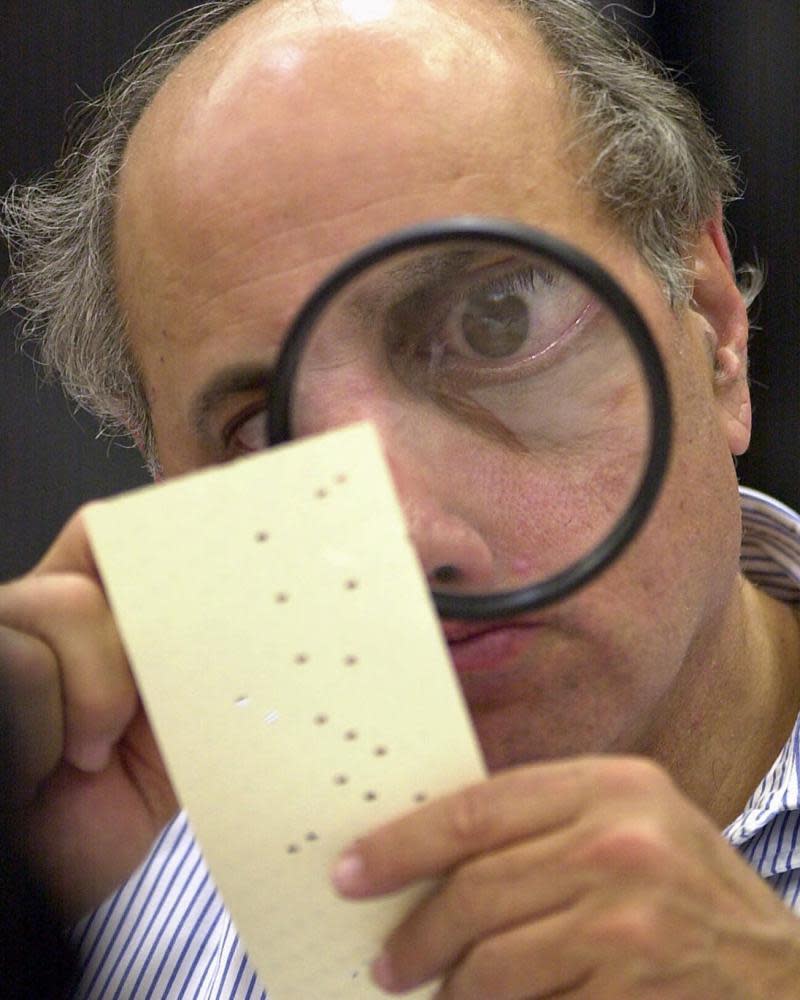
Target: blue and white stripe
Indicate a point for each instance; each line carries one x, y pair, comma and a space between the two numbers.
768, 830
771, 545
165, 934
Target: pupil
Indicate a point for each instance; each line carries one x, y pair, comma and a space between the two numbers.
495, 325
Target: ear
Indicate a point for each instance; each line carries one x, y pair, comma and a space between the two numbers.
719, 303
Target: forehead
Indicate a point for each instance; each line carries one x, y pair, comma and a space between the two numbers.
299, 132
293, 114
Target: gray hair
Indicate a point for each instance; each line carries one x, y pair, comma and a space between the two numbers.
655, 168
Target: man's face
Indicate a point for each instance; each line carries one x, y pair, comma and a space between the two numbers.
292, 138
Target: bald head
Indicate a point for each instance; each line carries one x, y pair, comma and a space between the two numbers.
310, 109
297, 133
298, 114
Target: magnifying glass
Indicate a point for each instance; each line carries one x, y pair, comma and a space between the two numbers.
515, 378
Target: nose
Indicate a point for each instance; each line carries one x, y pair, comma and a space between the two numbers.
452, 550
431, 465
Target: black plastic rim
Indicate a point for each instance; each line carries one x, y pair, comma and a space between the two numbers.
521, 237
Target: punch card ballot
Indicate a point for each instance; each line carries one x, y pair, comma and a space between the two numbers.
291, 663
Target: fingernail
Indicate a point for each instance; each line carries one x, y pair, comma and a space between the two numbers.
382, 972
348, 872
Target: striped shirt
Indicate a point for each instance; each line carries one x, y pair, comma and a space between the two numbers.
166, 935
768, 830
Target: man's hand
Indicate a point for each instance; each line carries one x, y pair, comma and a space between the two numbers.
89, 788
593, 879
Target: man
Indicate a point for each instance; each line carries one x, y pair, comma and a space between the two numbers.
630, 726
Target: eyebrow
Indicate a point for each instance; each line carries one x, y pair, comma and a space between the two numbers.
433, 266
407, 277
232, 381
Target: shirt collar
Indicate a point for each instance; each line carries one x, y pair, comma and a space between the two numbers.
771, 559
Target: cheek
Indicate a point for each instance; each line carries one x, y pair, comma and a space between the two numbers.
591, 685
545, 507
701, 497
582, 429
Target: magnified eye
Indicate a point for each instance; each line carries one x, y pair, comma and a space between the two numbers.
495, 322
504, 320
495, 325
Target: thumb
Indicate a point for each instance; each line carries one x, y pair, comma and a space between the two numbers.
71, 552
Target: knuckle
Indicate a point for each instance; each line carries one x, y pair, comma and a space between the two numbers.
486, 968
634, 927
49, 605
80, 597
98, 711
471, 818
89, 707
27, 665
633, 845
632, 776
466, 894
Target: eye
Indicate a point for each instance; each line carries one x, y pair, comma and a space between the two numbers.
495, 323
514, 317
248, 432
504, 322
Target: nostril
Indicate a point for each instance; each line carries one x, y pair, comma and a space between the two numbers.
446, 574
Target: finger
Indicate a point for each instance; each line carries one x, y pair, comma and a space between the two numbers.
71, 552
521, 884
524, 803
68, 612
531, 962
31, 720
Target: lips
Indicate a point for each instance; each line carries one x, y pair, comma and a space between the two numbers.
459, 631
485, 647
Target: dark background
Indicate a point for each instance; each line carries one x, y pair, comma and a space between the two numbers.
738, 55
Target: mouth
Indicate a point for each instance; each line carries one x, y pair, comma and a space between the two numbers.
486, 647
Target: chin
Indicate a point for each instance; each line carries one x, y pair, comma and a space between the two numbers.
516, 736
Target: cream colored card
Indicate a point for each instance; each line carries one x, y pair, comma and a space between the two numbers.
289, 658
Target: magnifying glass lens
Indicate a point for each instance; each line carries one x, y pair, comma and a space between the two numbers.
510, 396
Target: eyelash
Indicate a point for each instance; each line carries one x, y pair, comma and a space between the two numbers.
524, 280
530, 279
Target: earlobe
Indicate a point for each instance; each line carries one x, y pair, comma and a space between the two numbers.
720, 304
735, 411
